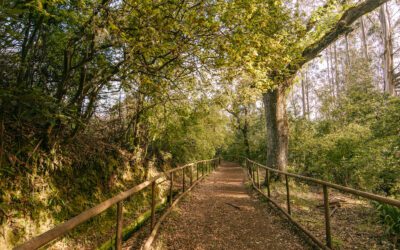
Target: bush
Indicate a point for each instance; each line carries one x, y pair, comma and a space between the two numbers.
390, 218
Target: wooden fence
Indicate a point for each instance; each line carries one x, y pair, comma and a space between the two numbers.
202, 169
254, 172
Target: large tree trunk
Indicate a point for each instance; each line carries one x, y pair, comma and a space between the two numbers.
277, 128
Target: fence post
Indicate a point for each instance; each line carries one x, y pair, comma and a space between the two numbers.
287, 195
258, 177
267, 182
327, 217
250, 170
197, 171
253, 170
202, 169
118, 235
247, 166
171, 189
183, 180
191, 175
153, 204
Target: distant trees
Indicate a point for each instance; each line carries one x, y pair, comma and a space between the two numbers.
367, 39
344, 131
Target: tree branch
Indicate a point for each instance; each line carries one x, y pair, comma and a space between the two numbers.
341, 27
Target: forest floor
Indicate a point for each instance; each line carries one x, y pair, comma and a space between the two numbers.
221, 213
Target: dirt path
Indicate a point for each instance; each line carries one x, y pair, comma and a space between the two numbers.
220, 214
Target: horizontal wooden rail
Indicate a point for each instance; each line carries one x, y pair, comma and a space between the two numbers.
62, 229
353, 191
150, 239
253, 166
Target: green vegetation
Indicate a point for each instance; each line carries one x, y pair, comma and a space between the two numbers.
98, 96
390, 217
356, 144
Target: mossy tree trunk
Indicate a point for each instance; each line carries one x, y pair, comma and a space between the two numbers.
277, 128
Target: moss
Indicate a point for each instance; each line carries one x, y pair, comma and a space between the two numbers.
337, 243
133, 227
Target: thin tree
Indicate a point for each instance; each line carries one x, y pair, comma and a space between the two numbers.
364, 38
388, 51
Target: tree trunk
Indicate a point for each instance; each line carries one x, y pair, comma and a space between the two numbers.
331, 56
293, 103
307, 96
364, 38
330, 75
388, 51
246, 142
245, 132
303, 95
336, 70
346, 40
277, 128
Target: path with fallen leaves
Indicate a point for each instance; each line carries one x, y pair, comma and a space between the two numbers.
221, 213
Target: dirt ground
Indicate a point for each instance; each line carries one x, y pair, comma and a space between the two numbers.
221, 213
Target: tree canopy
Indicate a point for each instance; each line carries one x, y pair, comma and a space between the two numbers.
105, 92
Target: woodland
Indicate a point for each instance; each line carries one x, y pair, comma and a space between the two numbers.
97, 96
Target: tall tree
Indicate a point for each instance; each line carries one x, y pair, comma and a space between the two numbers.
274, 100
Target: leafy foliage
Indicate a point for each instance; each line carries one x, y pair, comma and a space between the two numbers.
390, 217
347, 146
97, 95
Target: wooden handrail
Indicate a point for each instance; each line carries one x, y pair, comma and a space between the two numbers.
67, 226
353, 191
256, 184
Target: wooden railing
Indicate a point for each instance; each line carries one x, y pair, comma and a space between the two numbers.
254, 172
202, 169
